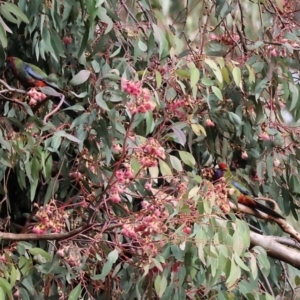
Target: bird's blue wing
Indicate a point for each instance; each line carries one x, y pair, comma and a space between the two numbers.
241, 188
33, 74
37, 76
218, 174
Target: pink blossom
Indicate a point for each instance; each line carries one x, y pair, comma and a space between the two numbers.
264, 136
187, 230
115, 198
244, 155
276, 162
148, 186
273, 53
209, 123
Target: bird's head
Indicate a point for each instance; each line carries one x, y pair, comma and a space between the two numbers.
219, 171
223, 166
11, 61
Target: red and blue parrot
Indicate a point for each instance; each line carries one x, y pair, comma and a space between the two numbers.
30, 75
240, 193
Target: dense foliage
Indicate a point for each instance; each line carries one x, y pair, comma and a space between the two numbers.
117, 202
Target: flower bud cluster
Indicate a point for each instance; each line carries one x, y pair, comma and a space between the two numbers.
176, 109
148, 153
71, 255
153, 222
140, 101
123, 176
50, 219
35, 96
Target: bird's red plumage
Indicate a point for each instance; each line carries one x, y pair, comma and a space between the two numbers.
223, 166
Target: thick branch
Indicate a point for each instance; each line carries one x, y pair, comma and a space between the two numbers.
275, 249
38, 237
286, 227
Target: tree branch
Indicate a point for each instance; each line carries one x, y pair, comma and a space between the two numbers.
275, 249
286, 227
38, 237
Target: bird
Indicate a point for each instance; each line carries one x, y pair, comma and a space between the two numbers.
239, 193
31, 76
28, 74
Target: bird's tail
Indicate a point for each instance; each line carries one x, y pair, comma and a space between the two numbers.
268, 210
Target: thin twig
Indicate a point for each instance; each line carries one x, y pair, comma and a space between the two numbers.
62, 99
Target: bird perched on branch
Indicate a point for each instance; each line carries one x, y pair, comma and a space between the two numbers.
239, 193
30, 75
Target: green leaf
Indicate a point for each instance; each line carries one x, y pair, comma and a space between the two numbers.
217, 92
16, 11
297, 280
111, 259
165, 170
195, 76
176, 163
160, 285
180, 136
142, 46
56, 43
36, 251
260, 87
206, 81
150, 125
295, 95
14, 275
236, 73
56, 142
279, 4
6, 145
251, 74
225, 75
7, 15
240, 263
2, 294
23, 294
183, 73
28, 284
160, 39
46, 164
253, 266
262, 259
158, 79
215, 69
80, 77
70, 137
201, 255
75, 293
294, 184
234, 275
101, 102
198, 129
154, 171
50, 91
3, 38
260, 169
187, 158
102, 14
4, 284
235, 119
193, 192
35, 169
84, 38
